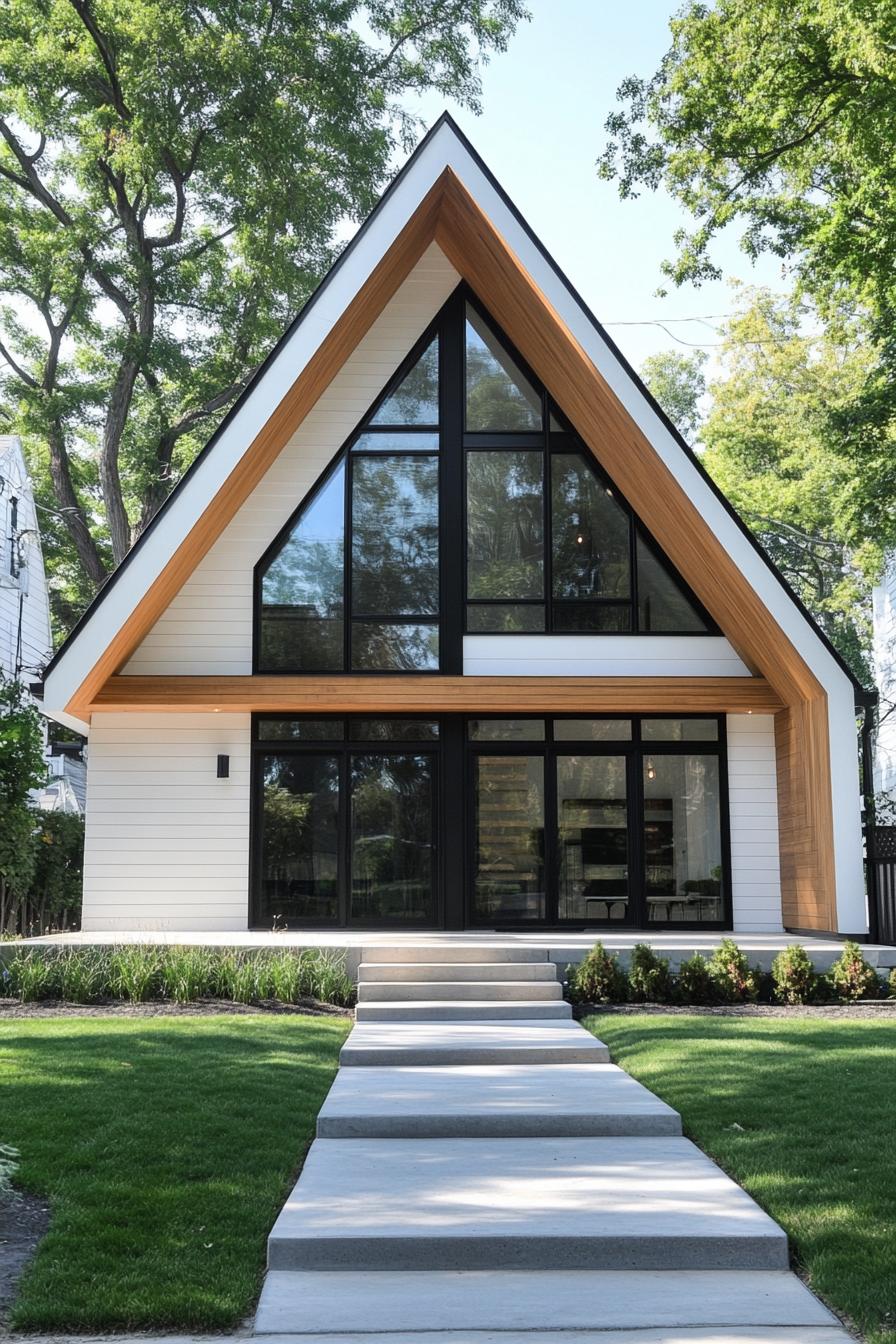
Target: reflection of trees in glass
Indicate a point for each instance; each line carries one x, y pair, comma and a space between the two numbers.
395, 535
393, 647
391, 834
510, 821
662, 604
302, 588
416, 400
500, 619
590, 534
499, 397
505, 524
300, 803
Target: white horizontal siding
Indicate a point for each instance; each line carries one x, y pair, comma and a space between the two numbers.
167, 842
207, 629
600, 656
753, 809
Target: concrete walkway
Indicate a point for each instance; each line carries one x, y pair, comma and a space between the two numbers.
484, 1175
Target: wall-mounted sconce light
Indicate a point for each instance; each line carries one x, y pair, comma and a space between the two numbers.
223, 767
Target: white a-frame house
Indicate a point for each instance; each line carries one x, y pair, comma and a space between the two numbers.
446, 627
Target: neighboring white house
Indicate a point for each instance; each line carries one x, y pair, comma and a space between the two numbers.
26, 642
447, 627
884, 657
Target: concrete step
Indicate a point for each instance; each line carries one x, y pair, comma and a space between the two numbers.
418, 972
442, 990
553, 1042
471, 1010
451, 952
473, 1304
492, 1100
423, 1204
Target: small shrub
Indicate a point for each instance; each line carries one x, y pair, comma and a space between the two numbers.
730, 971
598, 978
134, 972
794, 976
84, 975
694, 983
648, 976
851, 977
186, 973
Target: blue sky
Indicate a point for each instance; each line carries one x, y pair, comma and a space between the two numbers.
545, 101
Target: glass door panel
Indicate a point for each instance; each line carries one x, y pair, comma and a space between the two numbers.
682, 838
392, 838
299, 821
508, 879
592, 836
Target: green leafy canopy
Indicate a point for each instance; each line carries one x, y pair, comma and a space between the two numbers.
173, 180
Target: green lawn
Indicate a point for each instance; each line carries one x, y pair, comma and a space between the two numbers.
816, 1103
166, 1147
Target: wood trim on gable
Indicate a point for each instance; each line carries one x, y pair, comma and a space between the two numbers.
449, 216
407, 694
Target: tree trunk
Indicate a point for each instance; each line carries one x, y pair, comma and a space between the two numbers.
70, 507
110, 480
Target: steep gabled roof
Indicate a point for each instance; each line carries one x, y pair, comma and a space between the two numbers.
446, 193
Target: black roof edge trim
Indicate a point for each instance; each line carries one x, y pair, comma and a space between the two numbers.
447, 120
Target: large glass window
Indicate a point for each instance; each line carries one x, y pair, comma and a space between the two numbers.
505, 525
302, 608
462, 503
509, 878
392, 838
299, 839
682, 838
592, 829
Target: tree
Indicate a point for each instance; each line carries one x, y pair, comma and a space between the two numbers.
172, 178
781, 117
678, 383
769, 443
22, 769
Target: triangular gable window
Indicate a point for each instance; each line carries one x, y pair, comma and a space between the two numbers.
416, 399
499, 397
477, 521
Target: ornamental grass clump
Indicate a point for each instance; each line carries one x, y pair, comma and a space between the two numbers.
794, 976
598, 978
891, 983
186, 974
694, 983
850, 977
284, 972
732, 978
34, 976
324, 977
649, 980
84, 975
135, 972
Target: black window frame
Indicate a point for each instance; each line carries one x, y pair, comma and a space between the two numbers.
454, 810
454, 445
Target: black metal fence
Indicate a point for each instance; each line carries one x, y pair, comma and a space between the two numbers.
880, 849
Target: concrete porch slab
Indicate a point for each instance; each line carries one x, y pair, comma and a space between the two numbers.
447, 1043
619, 1203
675, 1335
539, 1300
492, 1100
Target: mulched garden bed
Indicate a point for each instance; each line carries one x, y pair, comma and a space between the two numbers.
14, 1008
876, 1008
